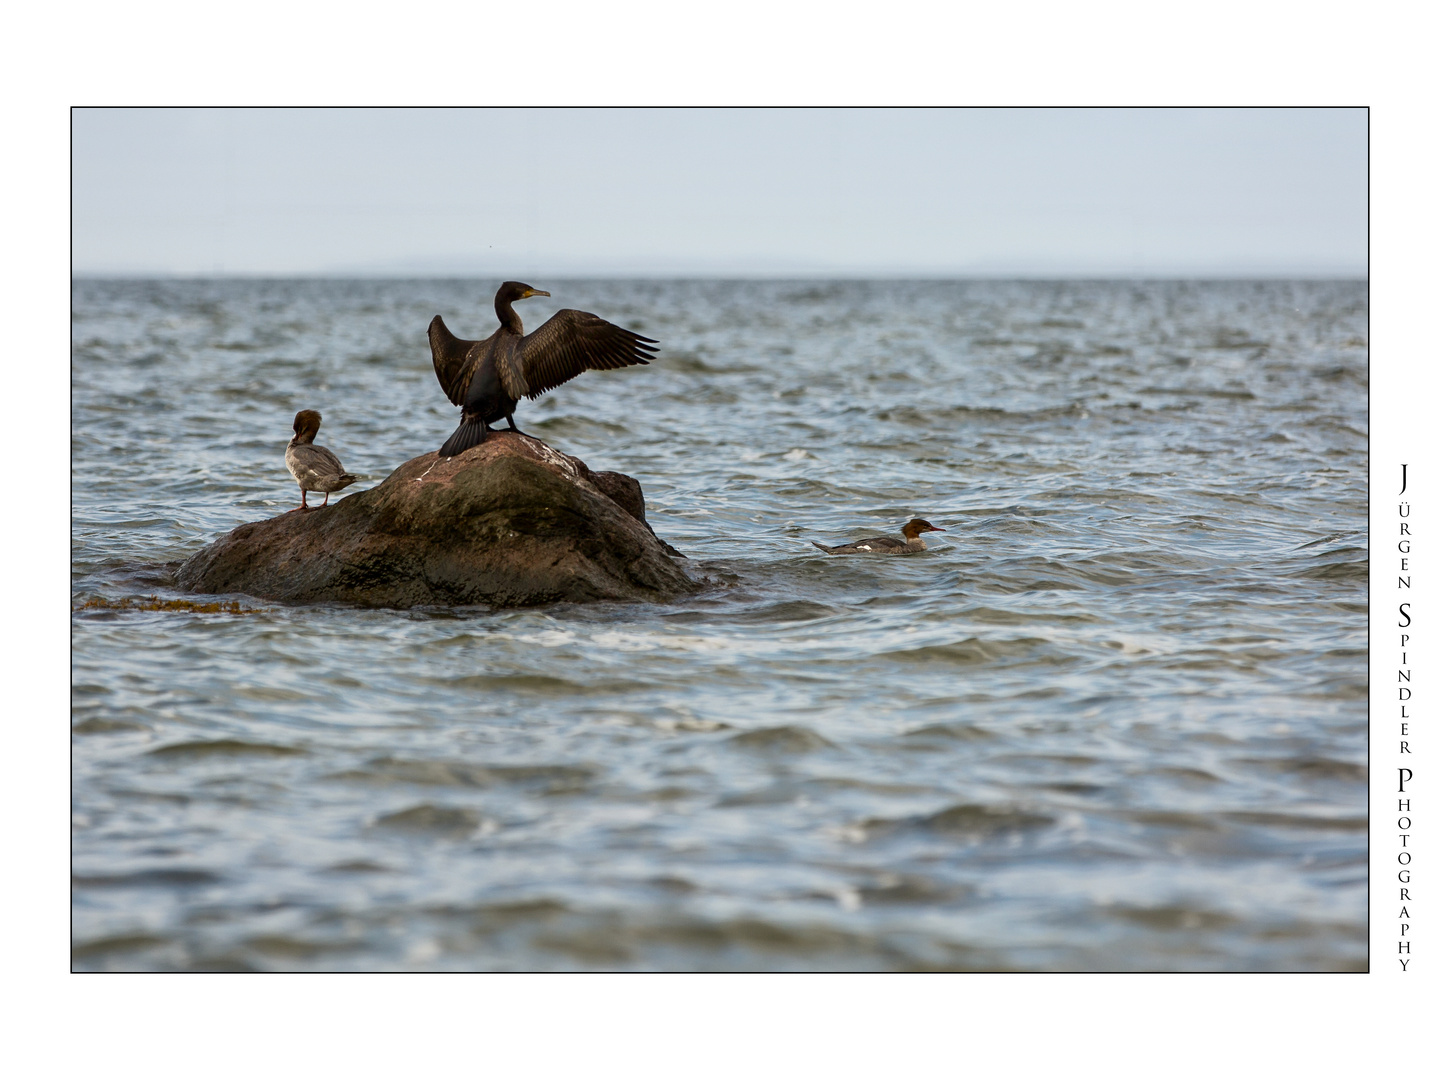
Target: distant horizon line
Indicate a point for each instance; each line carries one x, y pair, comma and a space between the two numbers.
754, 275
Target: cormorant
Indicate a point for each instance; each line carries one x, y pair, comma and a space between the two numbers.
488, 378
884, 545
314, 467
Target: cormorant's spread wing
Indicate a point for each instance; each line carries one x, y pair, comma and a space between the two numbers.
574, 341
453, 360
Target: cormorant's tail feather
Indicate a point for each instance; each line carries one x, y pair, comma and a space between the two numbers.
471, 432
822, 547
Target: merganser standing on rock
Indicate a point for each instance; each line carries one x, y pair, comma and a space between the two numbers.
314, 467
884, 545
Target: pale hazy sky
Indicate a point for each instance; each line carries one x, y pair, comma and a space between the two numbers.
522, 193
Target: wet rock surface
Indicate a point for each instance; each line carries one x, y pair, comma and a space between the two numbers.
509, 523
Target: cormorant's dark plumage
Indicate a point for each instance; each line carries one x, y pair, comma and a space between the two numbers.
488, 378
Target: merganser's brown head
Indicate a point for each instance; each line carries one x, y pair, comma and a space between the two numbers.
307, 426
916, 527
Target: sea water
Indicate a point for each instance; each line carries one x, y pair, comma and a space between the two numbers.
1113, 719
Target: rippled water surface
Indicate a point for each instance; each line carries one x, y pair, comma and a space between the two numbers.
1114, 718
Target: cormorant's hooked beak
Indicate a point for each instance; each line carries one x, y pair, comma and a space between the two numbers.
534, 292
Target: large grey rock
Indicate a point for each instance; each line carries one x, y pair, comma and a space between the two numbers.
510, 523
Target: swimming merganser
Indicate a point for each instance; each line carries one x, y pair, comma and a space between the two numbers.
488, 378
314, 467
884, 545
